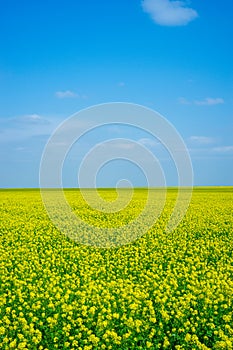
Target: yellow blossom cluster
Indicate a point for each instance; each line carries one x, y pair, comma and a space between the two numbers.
166, 290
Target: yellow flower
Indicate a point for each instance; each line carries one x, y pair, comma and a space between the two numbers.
12, 344
149, 344
22, 345
2, 330
166, 343
188, 337
93, 339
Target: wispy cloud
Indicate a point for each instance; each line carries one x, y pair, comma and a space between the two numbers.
27, 126
147, 142
169, 13
183, 101
205, 146
30, 119
20, 149
202, 140
224, 149
66, 94
208, 101
204, 151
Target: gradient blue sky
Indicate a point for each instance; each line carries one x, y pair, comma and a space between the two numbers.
58, 57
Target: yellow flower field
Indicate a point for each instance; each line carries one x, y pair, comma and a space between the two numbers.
163, 291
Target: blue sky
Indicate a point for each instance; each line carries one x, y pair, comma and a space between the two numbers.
58, 57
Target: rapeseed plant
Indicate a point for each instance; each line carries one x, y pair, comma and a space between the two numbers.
166, 290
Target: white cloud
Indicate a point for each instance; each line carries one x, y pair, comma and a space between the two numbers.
202, 140
208, 101
183, 101
169, 13
66, 94
147, 142
224, 149
31, 119
27, 126
20, 149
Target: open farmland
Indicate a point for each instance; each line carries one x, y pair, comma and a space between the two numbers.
163, 291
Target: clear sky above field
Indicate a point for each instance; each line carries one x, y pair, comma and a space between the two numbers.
58, 57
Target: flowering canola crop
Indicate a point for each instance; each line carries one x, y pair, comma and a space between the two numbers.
166, 290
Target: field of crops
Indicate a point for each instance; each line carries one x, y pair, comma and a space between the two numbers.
163, 291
